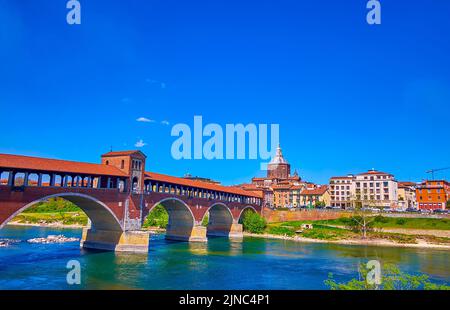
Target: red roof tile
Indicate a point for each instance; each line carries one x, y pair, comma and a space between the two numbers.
199, 184
55, 165
315, 191
123, 153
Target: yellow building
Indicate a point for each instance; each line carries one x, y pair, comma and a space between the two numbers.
311, 196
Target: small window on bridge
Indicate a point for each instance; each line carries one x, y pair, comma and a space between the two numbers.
33, 179
77, 181
96, 182
4, 177
58, 180
45, 180
122, 164
68, 181
19, 179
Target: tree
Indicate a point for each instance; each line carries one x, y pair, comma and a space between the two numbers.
362, 219
157, 218
319, 204
253, 222
392, 278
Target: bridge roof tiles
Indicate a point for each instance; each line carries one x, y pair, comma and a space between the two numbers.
199, 184
29, 163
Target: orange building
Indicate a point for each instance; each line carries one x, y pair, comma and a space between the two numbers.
433, 195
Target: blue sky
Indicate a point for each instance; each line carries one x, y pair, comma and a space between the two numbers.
348, 96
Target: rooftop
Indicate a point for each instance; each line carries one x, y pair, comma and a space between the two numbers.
375, 172
123, 153
199, 184
315, 191
21, 162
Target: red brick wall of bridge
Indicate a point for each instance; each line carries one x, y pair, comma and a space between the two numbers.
198, 206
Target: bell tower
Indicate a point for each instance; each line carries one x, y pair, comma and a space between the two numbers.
130, 162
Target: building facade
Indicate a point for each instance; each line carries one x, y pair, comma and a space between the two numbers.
310, 197
376, 189
407, 195
369, 189
432, 195
341, 191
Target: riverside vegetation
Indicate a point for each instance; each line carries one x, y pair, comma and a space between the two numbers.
392, 278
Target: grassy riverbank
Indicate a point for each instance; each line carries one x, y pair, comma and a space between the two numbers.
339, 230
54, 212
51, 219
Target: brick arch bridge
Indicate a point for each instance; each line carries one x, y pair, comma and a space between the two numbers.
118, 194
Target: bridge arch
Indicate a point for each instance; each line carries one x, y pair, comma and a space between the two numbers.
220, 220
250, 208
181, 219
101, 216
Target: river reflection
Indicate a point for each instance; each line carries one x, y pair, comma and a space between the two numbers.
250, 263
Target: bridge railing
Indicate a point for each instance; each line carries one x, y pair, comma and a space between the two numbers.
20, 179
197, 193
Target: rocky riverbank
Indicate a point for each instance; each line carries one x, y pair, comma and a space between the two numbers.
7, 242
53, 239
54, 225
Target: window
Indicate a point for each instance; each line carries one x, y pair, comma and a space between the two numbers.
107, 162
122, 164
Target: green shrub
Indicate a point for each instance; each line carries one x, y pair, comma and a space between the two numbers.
157, 218
381, 219
400, 221
205, 220
253, 222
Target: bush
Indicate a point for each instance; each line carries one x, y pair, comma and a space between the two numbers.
254, 222
400, 221
381, 219
158, 217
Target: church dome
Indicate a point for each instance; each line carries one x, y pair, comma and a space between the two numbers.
278, 158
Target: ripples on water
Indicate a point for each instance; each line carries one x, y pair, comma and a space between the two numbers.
219, 264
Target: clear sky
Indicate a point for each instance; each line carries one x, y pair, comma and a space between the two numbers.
348, 96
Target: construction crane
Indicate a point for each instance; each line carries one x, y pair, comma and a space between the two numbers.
432, 171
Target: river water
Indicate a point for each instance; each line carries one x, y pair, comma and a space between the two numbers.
253, 263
